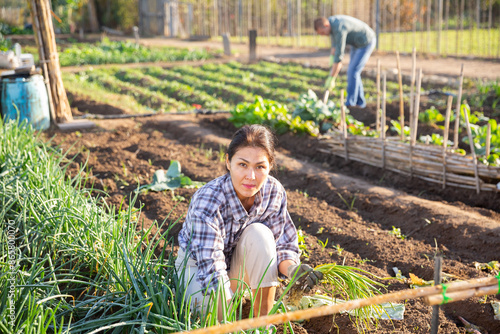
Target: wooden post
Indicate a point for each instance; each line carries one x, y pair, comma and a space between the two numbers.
40, 10
412, 84
253, 45
488, 140
417, 106
401, 99
435, 308
382, 121
325, 96
445, 136
473, 151
227, 44
344, 123
377, 114
414, 121
457, 112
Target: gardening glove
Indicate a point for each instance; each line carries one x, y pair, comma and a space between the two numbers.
330, 83
331, 60
305, 276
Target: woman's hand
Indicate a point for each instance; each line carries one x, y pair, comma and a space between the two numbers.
306, 274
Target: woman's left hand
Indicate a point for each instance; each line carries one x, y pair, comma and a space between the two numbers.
307, 276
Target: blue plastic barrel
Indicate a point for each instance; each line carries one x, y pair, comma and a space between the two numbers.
26, 96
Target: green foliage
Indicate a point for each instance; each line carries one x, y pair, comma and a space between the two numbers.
270, 113
302, 243
479, 135
434, 139
7, 29
430, 116
396, 231
352, 283
170, 179
5, 43
488, 93
121, 52
396, 126
76, 261
121, 14
309, 108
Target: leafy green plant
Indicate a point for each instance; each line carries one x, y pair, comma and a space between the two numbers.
430, 116
396, 231
302, 243
77, 261
323, 244
488, 93
5, 43
350, 205
434, 139
353, 283
309, 108
396, 126
338, 249
170, 179
270, 113
363, 261
120, 52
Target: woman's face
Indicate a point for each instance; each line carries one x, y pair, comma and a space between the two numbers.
249, 168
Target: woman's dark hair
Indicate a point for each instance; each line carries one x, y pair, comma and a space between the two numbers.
254, 135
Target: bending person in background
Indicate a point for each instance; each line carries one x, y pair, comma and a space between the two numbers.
238, 227
346, 30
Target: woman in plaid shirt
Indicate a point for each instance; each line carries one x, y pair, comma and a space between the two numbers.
238, 228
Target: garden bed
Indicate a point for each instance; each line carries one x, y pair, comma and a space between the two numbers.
354, 208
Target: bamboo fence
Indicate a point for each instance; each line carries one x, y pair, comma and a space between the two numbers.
426, 162
433, 295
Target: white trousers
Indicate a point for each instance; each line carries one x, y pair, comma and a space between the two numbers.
254, 261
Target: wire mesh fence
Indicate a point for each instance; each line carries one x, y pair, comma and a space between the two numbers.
443, 27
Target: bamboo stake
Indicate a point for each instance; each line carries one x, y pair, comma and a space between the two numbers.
48, 44
460, 295
401, 98
325, 97
344, 124
280, 318
488, 140
377, 114
414, 120
445, 137
417, 106
473, 151
382, 121
437, 280
457, 112
39, 41
412, 84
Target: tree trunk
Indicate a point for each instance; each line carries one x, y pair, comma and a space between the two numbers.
49, 60
94, 22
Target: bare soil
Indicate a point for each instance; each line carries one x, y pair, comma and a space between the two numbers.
349, 204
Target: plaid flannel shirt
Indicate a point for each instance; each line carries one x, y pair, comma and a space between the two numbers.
216, 218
